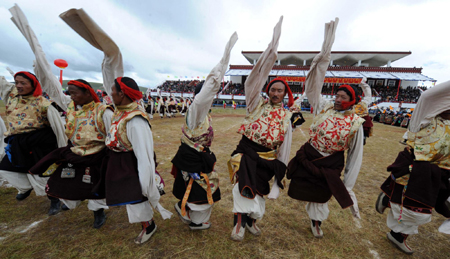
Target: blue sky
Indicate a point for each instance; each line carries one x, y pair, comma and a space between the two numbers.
187, 38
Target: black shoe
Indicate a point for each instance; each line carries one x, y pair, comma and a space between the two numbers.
55, 206
99, 218
146, 233
64, 207
23, 196
399, 241
382, 203
200, 226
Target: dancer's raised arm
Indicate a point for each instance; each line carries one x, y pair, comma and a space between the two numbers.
112, 66
42, 69
367, 91
203, 100
260, 72
319, 66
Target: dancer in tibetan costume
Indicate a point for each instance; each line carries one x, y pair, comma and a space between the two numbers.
184, 106
315, 170
34, 130
162, 107
34, 124
297, 118
76, 170
264, 149
196, 183
166, 107
172, 107
419, 179
130, 174
150, 107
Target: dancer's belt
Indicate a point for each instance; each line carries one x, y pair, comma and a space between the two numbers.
235, 161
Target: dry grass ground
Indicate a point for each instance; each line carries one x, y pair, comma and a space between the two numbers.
285, 226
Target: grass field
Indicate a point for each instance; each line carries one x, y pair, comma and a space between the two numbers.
285, 226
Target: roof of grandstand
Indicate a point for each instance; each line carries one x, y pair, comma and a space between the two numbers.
339, 58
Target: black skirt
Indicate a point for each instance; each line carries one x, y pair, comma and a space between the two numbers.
122, 185
73, 188
198, 195
27, 149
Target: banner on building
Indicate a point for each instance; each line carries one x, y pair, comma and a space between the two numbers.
334, 80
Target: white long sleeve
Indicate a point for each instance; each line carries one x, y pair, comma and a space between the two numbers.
367, 92
57, 125
431, 103
353, 166
283, 155
112, 66
319, 67
107, 119
203, 100
5, 89
43, 71
2, 137
141, 139
284, 150
261, 70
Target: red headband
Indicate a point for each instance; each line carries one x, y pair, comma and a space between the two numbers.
286, 86
345, 105
37, 86
134, 95
85, 86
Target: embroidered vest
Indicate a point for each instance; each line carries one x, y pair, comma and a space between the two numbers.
266, 124
85, 128
200, 137
117, 139
26, 113
432, 143
361, 109
331, 131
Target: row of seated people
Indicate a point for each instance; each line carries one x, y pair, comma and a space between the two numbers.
409, 94
189, 87
395, 118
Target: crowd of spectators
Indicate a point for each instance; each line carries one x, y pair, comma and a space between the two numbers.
386, 93
408, 95
178, 86
234, 89
189, 87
